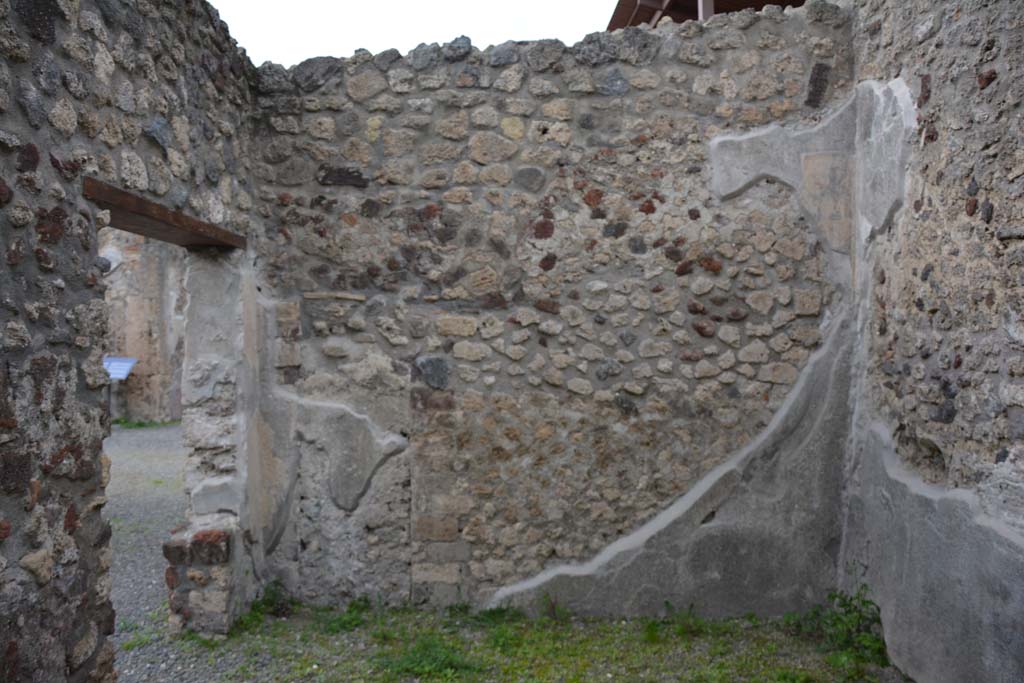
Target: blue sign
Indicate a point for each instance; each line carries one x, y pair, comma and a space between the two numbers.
118, 368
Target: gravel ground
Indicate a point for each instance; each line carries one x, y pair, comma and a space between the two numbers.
146, 500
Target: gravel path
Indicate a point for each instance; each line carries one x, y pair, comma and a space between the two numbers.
146, 500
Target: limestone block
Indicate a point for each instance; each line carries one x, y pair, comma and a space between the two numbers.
489, 148
471, 351
449, 573
457, 326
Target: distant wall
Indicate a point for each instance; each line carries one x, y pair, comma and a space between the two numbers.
146, 299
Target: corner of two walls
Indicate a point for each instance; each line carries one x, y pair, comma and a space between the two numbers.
934, 510
868, 523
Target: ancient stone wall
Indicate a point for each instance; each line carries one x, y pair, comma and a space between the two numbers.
948, 326
935, 500
601, 319
146, 299
148, 96
510, 321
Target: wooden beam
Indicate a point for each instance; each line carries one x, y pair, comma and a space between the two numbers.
132, 213
705, 9
632, 16
661, 12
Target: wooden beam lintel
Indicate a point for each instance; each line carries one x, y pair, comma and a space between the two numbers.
135, 214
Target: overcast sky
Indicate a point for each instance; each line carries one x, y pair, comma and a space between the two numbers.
291, 31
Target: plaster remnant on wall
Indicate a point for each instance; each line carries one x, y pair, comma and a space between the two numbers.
326, 425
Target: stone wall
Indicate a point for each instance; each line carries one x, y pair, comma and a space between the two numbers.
602, 319
935, 500
148, 96
511, 322
146, 299
947, 330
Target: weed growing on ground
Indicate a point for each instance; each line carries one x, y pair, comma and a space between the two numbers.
497, 616
139, 639
193, 638
275, 602
652, 631
505, 638
790, 676
429, 655
849, 627
127, 626
553, 611
352, 618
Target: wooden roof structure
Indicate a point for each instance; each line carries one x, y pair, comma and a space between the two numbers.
637, 12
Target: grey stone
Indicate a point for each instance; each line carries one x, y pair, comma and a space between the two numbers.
544, 54
504, 54
530, 179
612, 82
638, 46
313, 74
159, 131
385, 60
596, 49
433, 370
824, 12
117, 16
272, 79
47, 75
39, 17
76, 84
31, 103
1010, 232
9, 142
457, 50
607, 368
424, 56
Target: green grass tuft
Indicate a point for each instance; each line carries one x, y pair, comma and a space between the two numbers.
139, 639
429, 656
505, 638
193, 638
497, 616
352, 618
275, 602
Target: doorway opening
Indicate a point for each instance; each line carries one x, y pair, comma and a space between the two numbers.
146, 247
